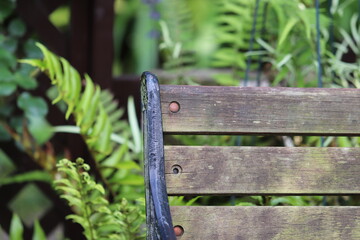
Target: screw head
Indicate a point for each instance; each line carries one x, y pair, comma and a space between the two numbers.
174, 107
179, 231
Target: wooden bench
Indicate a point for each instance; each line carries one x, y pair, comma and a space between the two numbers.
205, 170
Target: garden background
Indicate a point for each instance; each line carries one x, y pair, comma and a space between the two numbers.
54, 111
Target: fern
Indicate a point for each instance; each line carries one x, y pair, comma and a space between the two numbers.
97, 115
233, 32
99, 219
288, 46
177, 31
179, 20
94, 110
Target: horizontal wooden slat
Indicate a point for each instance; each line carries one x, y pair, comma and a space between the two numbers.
262, 170
249, 110
293, 223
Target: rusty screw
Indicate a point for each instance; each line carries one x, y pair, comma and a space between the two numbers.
179, 231
174, 107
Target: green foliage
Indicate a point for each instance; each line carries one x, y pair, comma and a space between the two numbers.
16, 80
177, 30
287, 43
98, 117
39, 233
99, 219
93, 109
181, 201
27, 177
98, 120
17, 230
60, 17
234, 23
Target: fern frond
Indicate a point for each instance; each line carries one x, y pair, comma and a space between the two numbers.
95, 111
99, 219
97, 116
177, 30
233, 32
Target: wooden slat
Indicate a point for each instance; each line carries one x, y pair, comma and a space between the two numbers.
262, 170
293, 223
248, 110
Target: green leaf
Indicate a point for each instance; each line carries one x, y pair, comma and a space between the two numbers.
40, 129
33, 62
285, 32
10, 44
69, 190
7, 58
131, 179
17, 28
245, 204
33, 106
16, 228
60, 17
72, 201
25, 81
343, 142
27, 177
116, 156
39, 233
5, 74
134, 124
31, 50
192, 201
6, 89
128, 165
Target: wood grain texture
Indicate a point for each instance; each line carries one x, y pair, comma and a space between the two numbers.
208, 170
293, 223
249, 110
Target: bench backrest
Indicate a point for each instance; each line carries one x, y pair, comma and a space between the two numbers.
205, 170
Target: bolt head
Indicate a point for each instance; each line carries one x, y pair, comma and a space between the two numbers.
174, 107
179, 231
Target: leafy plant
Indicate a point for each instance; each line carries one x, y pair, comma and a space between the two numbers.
17, 230
22, 115
284, 39
99, 218
97, 118
177, 30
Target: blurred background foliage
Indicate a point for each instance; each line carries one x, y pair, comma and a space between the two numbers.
225, 42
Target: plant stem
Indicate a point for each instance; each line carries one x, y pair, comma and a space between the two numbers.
85, 207
76, 130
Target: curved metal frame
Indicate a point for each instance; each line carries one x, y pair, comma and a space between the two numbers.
158, 217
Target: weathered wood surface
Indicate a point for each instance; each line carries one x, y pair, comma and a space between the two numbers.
293, 223
248, 110
207, 170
